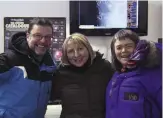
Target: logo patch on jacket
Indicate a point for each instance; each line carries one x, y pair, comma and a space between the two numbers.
131, 96
49, 69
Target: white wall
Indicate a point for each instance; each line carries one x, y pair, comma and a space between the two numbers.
61, 9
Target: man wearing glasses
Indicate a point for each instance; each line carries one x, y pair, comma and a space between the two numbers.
26, 70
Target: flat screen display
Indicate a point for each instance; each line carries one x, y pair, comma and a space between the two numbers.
107, 17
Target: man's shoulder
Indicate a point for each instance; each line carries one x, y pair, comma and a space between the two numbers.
11, 57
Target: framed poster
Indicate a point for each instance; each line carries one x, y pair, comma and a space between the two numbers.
13, 25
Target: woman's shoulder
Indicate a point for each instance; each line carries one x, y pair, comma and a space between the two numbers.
149, 79
102, 64
99, 59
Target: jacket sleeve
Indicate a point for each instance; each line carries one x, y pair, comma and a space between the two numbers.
159, 98
8, 60
152, 86
14, 73
4, 76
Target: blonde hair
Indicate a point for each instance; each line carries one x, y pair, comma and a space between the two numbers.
79, 39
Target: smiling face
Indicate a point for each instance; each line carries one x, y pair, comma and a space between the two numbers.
39, 39
77, 54
123, 49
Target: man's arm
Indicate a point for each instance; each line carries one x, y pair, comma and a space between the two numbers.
4, 67
8, 59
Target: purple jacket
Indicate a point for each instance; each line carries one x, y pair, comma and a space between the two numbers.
136, 94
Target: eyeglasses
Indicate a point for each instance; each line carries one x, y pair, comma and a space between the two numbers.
39, 36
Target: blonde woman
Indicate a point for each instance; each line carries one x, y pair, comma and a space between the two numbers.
82, 79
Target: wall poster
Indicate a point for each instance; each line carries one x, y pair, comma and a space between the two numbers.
13, 25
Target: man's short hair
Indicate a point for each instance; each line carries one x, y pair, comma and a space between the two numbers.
39, 21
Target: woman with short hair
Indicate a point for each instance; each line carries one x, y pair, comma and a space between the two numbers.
135, 90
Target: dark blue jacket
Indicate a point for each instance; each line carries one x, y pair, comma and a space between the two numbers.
137, 93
